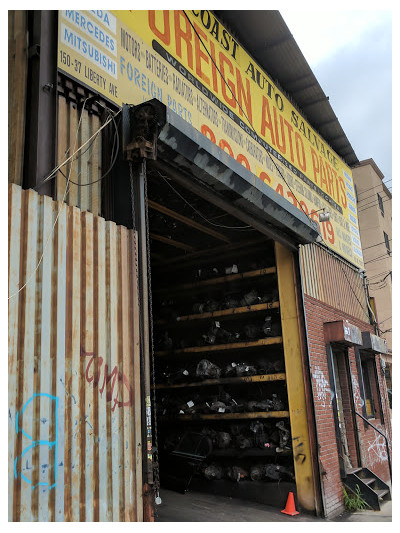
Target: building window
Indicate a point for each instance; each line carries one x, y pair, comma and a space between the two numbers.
386, 237
369, 399
380, 202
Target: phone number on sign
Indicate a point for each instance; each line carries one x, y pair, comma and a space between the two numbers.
325, 228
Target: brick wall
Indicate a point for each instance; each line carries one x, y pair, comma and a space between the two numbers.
372, 449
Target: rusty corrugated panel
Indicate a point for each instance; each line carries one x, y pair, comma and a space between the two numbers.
17, 84
74, 438
331, 281
74, 129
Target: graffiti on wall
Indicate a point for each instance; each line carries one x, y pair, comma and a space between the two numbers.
322, 386
22, 464
377, 452
358, 400
119, 384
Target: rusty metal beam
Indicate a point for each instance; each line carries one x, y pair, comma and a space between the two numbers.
262, 226
187, 221
171, 242
217, 251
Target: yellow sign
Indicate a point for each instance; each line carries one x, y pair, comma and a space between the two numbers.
191, 63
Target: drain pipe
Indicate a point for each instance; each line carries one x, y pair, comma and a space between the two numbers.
310, 376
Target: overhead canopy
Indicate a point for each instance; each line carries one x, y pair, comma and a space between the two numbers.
265, 36
208, 170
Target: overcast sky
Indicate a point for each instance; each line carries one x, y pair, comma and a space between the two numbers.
350, 53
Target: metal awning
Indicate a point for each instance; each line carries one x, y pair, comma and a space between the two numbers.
199, 163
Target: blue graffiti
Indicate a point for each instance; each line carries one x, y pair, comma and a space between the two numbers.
50, 444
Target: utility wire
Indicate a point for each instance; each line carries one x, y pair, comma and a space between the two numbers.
385, 256
373, 246
57, 168
355, 295
372, 204
380, 274
372, 198
114, 156
198, 212
383, 279
371, 188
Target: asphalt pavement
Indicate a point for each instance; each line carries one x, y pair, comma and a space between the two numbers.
202, 507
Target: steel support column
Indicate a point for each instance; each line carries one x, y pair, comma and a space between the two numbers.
41, 105
139, 207
294, 377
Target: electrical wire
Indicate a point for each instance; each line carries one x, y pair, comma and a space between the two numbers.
372, 198
58, 213
244, 113
165, 178
380, 281
361, 206
53, 173
371, 188
355, 295
378, 244
385, 256
114, 157
380, 274
372, 204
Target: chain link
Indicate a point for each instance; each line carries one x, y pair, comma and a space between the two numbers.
155, 447
156, 483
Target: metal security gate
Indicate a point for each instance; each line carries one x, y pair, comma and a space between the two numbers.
74, 390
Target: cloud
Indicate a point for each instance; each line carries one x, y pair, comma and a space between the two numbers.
357, 77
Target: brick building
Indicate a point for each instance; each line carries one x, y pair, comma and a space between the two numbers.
374, 205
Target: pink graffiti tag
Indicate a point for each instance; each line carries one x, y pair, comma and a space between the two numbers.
114, 377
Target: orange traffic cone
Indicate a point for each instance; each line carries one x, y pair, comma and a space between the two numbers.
290, 507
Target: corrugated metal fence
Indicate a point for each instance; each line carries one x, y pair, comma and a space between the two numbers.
74, 406
333, 282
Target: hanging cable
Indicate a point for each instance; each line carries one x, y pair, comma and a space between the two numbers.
370, 203
371, 188
165, 178
114, 157
378, 244
383, 279
355, 295
57, 168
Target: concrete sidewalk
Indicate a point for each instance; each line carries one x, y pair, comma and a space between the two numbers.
384, 515
201, 507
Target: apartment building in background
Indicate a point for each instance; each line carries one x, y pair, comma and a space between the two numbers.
374, 203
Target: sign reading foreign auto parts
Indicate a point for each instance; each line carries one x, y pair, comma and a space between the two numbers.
190, 62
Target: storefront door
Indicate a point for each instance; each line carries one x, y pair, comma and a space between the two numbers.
344, 445
343, 407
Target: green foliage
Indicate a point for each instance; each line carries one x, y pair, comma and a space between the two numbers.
354, 501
